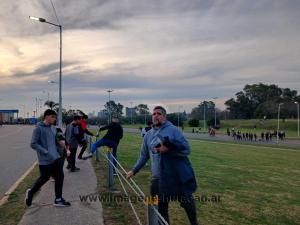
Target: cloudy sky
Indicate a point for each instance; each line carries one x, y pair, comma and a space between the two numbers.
170, 52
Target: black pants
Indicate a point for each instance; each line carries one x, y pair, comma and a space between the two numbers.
56, 171
84, 146
186, 201
72, 158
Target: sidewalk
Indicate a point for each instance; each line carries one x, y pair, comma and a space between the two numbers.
42, 211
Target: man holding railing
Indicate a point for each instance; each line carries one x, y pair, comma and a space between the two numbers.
172, 174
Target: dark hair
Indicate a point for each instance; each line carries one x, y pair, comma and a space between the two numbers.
85, 117
59, 130
162, 109
76, 117
49, 112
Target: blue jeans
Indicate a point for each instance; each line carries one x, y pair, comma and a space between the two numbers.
108, 143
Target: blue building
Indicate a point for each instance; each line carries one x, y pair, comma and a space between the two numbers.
8, 115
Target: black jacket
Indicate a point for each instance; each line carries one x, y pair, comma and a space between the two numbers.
114, 132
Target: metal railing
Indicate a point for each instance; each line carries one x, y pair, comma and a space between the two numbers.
153, 216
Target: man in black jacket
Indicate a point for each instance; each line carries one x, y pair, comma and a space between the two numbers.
111, 138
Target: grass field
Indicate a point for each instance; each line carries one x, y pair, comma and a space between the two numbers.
256, 184
12, 211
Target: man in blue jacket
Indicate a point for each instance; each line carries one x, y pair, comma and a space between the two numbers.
172, 174
50, 162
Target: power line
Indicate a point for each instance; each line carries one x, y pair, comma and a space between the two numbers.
55, 12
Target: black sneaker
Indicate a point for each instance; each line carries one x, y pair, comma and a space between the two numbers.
61, 203
87, 156
68, 166
28, 198
75, 169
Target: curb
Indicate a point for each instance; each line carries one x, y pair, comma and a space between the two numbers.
16, 184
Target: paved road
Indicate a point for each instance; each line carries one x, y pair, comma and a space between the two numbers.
16, 156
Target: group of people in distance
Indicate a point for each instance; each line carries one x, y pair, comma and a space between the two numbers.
249, 136
163, 144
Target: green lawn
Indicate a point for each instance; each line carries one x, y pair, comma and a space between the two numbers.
256, 184
12, 211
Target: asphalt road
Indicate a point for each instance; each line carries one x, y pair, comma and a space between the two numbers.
16, 156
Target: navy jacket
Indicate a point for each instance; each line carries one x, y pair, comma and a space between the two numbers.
173, 169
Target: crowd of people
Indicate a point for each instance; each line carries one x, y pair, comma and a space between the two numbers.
163, 144
252, 136
53, 147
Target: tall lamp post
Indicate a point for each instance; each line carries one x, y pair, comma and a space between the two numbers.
215, 98
109, 116
131, 112
298, 115
42, 20
178, 116
278, 121
204, 120
24, 111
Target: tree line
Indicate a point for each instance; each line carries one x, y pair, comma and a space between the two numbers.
258, 101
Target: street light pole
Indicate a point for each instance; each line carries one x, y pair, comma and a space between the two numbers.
215, 112
204, 125
178, 116
131, 112
298, 115
109, 91
42, 20
278, 121
24, 111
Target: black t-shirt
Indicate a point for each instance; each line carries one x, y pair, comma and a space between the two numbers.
114, 132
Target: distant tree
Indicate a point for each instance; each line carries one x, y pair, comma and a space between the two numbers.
114, 109
142, 109
198, 112
193, 123
259, 100
211, 122
173, 118
52, 105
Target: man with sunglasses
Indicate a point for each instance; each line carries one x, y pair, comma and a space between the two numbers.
172, 174
50, 164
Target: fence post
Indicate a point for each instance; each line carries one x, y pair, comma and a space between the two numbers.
97, 152
90, 141
110, 169
152, 217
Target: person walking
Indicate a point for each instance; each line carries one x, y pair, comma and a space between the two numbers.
72, 140
146, 129
50, 161
82, 131
172, 174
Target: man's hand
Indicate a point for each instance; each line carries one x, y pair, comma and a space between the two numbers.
162, 149
130, 174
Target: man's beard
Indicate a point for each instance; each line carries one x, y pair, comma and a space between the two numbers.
157, 123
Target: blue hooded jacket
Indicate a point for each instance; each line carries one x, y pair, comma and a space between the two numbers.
44, 143
173, 168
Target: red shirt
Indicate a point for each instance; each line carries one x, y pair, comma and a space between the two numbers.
83, 124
